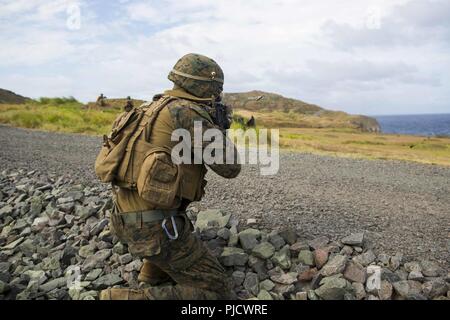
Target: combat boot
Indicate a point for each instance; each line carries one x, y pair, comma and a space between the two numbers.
152, 274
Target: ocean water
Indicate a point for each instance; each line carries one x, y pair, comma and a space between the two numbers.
422, 125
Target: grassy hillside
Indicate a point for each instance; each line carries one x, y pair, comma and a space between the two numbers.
333, 137
273, 110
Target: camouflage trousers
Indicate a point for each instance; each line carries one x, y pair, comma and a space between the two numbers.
196, 272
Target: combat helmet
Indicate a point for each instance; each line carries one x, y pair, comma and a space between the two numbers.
198, 75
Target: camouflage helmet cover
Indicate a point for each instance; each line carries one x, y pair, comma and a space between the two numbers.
198, 75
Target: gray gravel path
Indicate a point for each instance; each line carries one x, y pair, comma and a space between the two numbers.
402, 206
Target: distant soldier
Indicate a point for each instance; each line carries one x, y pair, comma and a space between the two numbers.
129, 106
251, 122
101, 100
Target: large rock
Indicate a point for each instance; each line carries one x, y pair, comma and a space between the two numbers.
53, 284
319, 243
431, 269
306, 257
264, 250
354, 272
334, 288
251, 283
355, 239
282, 258
320, 257
248, 238
98, 259
264, 295
285, 278
106, 281
335, 265
233, 257
238, 277
212, 218
289, 235
434, 288
6, 211
12, 245
366, 258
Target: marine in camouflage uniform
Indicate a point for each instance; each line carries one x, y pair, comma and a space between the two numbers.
186, 261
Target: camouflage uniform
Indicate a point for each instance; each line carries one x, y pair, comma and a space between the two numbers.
186, 260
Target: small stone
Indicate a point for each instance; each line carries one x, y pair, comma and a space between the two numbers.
264, 250
415, 275
346, 251
93, 274
434, 288
312, 295
249, 238
297, 247
12, 245
87, 250
282, 258
335, 265
251, 221
233, 257
385, 291
307, 275
97, 259
289, 235
276, 240
264, 295
106, 281
354, 272
320, 257
53, 284
251, 283
365, 259
301, 295
126, 258
355, 239
6, 211
119, 248
334, 288
238, 277
266, 285
412, 266
211, 219
285, 278
306, 257
360, 293
401, 288
318, 243
431, 269
39, 223
395, 261
223, 233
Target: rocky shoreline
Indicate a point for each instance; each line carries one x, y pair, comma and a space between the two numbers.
55, 243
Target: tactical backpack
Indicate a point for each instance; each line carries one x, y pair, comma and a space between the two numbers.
127, 160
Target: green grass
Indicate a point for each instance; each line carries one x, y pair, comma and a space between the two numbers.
69, 115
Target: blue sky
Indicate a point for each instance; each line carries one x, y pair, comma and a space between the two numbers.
365, 57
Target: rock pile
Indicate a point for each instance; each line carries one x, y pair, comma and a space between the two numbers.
280, 265
55, 243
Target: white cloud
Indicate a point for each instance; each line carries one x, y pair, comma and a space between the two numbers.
319, 51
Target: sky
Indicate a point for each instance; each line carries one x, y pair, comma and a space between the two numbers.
364, 57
